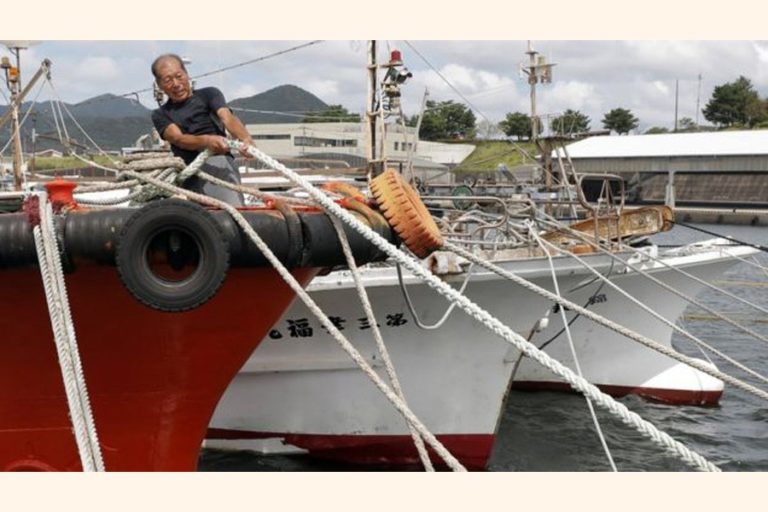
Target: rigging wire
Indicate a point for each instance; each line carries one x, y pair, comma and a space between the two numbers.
473, 107
576, 364
23, 120
215, 71
62, 104
296, 113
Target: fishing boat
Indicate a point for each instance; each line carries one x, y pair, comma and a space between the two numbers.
168, 301
299, 393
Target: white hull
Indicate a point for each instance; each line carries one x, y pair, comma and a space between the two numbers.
306, 391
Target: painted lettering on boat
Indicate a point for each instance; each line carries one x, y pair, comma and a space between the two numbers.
305, 328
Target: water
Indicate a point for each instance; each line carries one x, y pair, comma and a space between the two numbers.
554, 432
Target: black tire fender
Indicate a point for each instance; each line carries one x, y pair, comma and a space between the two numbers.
203, 237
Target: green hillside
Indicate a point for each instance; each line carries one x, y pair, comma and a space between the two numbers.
488, 155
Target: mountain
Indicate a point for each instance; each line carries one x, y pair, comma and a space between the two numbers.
115, 121
284, 98
109, 106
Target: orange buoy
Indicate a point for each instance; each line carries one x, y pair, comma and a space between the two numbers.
406, 213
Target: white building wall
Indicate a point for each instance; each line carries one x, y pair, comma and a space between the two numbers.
296, 139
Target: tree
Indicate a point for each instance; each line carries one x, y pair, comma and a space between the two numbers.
735, 103
332, 114
655, 130
447, 120
620, 120
488, 130
571, 121
517, 124
687, 124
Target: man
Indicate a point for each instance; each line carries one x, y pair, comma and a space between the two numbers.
192, 121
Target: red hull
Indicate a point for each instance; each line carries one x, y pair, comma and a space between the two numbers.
472, 450
153, 378
664, 396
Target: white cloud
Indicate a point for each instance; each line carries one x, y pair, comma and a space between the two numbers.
326, 90
590, 76
243, 91
572, 95
100, 69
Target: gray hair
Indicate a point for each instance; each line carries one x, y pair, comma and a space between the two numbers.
167, 56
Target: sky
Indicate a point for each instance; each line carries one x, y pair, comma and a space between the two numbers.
591, 76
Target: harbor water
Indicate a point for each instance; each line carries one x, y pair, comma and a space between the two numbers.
546, 431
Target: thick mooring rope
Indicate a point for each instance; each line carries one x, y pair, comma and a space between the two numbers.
433, 442
66, 341
491, 322
391, 373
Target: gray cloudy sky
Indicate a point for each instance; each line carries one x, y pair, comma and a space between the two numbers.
590, 76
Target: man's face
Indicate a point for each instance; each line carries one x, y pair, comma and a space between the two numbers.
173, 80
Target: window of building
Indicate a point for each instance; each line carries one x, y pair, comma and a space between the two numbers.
272, 136
319, 142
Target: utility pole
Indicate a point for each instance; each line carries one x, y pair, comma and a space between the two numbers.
698, 104
538, 71
676, 99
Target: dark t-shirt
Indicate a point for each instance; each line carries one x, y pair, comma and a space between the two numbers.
195, 116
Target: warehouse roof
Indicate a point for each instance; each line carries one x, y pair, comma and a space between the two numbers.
753, 142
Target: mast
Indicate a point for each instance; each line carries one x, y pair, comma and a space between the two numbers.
538, 70
371, 111
13, 81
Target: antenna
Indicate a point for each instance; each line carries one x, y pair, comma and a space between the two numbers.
538, 70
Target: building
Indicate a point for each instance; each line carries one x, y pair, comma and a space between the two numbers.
347, 142
723, 168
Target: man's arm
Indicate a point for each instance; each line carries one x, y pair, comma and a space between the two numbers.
234, 126
215, 143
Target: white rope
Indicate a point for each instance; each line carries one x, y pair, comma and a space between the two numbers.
701, 281
697, 341
492, 323
366, 303
66, 341
312, 306
412, 309
661, 283
573, 352
628, 333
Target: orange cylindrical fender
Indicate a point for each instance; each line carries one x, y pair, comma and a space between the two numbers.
406, 213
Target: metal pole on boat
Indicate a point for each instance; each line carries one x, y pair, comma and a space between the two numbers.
538, 70
532, 82
372, 112
13, 81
